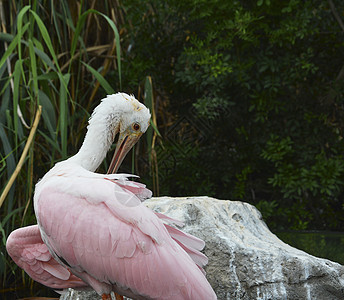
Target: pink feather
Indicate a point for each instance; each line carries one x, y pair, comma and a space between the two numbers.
28, 251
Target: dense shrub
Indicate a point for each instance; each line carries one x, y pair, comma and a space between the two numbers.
257, 88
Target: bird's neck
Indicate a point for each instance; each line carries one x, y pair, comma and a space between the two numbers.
97, 143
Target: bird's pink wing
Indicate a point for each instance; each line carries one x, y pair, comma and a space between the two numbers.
136, 188
108, 243
191, 244
26, 248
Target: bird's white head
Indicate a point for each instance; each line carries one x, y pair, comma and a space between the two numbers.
116, 114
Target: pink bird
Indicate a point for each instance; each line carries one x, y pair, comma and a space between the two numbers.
93, 229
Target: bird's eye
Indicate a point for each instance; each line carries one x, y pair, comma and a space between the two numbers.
136, 126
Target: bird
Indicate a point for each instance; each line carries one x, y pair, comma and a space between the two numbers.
93, 229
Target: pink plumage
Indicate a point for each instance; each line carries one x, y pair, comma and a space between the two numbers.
93, 229
27, 249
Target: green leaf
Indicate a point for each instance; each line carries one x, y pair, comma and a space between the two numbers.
48, 76
48, 114
51, 141
13, 44
44, 57
19, 29
7, 149
63, 113
118, 49
47, 39
107, 87
16, 77
7, 217
149, 104
78, 28
34, 70
6, 37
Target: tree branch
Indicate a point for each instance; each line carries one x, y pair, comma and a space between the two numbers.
336, 15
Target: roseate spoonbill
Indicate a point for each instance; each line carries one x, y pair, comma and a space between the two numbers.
93, 229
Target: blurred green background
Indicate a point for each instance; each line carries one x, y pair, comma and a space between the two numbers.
246, 99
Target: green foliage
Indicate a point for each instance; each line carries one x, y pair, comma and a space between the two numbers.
174, 175
260, 85
321, 244
267, 208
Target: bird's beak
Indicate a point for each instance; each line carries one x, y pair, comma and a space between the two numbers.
125, 142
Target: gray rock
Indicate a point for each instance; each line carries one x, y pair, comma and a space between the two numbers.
80, 295
83, 295
246, 260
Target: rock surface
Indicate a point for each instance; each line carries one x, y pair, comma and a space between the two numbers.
80, 295
247, 261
